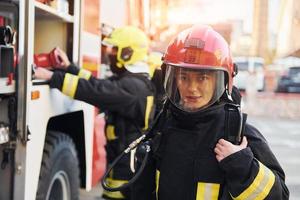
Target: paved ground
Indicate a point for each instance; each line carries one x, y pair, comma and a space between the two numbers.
283, 136
94, 194
272, 105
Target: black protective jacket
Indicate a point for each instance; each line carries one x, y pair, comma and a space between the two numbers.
127, 101
185, 167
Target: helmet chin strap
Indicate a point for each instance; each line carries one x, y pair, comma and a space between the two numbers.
235, 95
227, 92
119, 65
117, 70
115, 66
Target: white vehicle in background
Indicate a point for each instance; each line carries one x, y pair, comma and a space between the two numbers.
250, 69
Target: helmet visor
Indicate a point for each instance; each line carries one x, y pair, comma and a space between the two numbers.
193, 89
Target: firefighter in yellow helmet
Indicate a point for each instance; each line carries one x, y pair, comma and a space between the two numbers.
127, 97
127, 50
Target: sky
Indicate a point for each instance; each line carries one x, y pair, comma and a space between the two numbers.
274, 7
213, 11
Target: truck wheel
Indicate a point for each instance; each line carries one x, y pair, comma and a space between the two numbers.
59, 175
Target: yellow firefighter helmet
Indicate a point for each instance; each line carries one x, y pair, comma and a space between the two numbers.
132, 44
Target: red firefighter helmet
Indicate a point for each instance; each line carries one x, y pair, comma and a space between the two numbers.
200, 49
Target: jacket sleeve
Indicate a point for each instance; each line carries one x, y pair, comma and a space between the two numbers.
73, 69
112, 95
254, 172
80, 72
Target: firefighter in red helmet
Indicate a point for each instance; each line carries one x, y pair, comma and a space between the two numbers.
206, 150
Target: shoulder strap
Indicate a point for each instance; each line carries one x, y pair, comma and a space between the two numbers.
236, 95
235, 122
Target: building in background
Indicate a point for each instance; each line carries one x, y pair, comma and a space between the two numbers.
149, 15
289, 27
225, 29
260, 29
158, 16
138, 13
113, 12
240, 41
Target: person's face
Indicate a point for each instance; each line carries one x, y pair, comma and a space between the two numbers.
111, 50
113, 61
196, 88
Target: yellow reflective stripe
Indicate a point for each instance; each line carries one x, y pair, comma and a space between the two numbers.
260, 187
157, 182
200, 191
207, 191
246, 193
149, 105
215, 191
110, 132
70, 85
114, 183
84, 74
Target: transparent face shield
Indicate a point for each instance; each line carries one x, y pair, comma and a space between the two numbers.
191, 89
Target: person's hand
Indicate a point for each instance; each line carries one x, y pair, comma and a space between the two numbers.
64, 60
42, 73
224, 148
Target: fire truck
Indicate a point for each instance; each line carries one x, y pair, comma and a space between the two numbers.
50, 145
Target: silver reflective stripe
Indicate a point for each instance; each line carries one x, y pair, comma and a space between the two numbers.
207, 191
132, 160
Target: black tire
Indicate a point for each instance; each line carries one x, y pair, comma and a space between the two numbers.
59, 175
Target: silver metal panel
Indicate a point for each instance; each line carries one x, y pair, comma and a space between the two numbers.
77, 32
26, 24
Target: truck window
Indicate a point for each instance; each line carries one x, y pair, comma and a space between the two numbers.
243, 66
294, 71
258, 65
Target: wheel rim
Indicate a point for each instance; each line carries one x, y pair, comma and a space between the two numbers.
59, 188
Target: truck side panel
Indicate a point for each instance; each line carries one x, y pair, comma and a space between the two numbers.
51, 103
